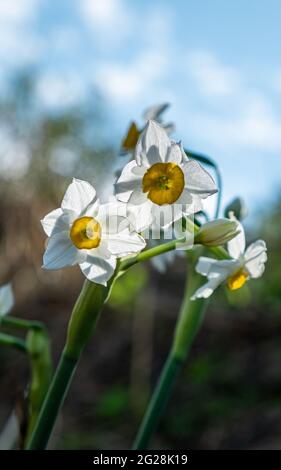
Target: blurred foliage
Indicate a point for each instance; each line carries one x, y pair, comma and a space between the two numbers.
127, 288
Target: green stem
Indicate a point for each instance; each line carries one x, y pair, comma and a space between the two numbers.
38, 345
8, 340
188, 324
82, 323
53, 402
14, 322
218, 251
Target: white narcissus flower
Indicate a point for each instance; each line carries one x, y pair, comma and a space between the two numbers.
6, 299
161, 184
83, 231
153, 112
245, 264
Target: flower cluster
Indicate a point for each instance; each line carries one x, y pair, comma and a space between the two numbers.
160, 188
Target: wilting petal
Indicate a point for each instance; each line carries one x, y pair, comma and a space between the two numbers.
128, 181
98, 270
154, 112
60, 252
6, 299
198, 180
78, 196
125, 243
255, 258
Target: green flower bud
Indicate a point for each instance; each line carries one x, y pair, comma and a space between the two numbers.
217, 232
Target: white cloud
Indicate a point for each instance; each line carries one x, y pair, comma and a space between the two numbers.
252, 125
18, 44
127, 82
110, 21
16, 11
211, 76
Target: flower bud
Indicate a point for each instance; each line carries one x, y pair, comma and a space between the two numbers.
238, 207
217, 232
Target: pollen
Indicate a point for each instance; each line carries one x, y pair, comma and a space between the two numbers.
164, 183
85, 233
237, 280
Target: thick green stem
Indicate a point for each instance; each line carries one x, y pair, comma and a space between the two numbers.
12, 341
82, 323
188, 324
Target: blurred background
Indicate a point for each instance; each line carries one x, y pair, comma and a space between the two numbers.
72, 77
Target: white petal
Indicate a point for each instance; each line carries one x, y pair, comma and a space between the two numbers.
112, 217
78, 196
138, 197
198, 180
191, 203
140, 216
98, 270
153, 145
125, 243
61, 252
207, 289
255, 258
128, 181
6, 299
174, 154
92, 209
213, 268
57, 221
165, 215
236, 246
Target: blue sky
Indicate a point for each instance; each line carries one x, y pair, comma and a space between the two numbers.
217, 62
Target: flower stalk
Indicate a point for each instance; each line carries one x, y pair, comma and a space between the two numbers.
189, 321
83, 320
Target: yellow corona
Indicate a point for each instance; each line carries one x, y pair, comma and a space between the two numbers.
237, 280
85, 233
164, 183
